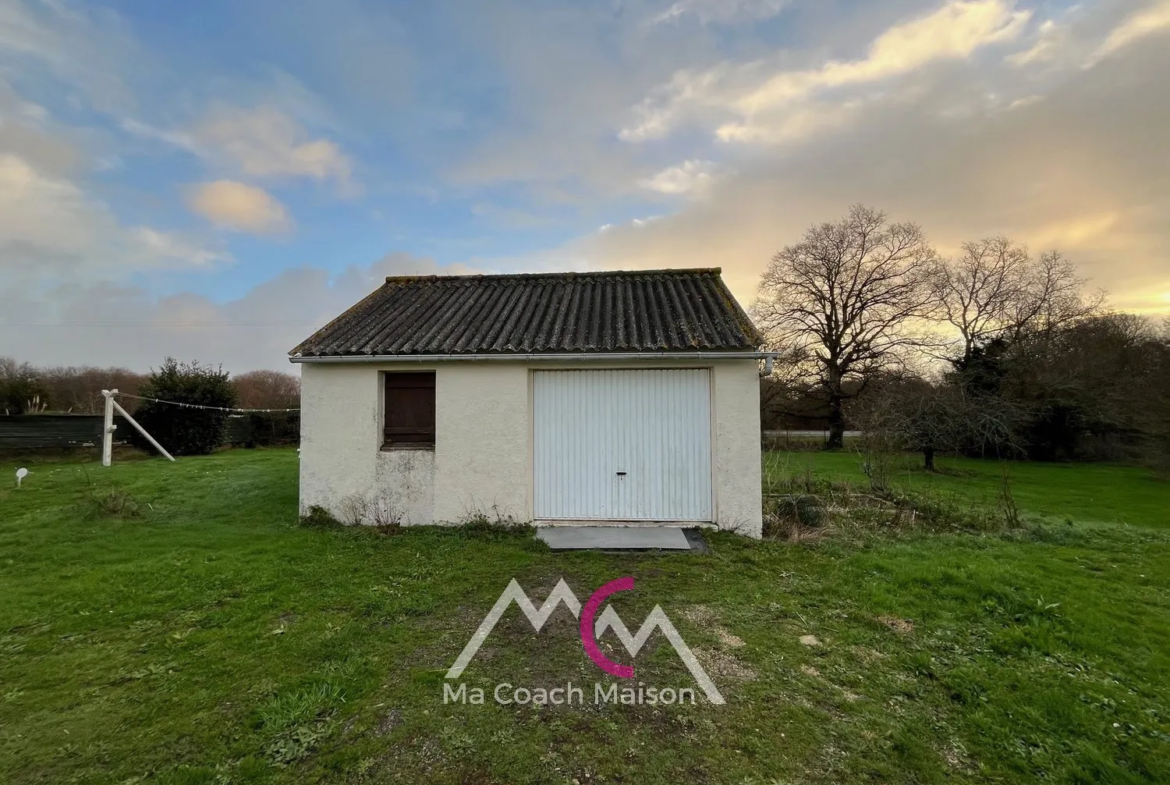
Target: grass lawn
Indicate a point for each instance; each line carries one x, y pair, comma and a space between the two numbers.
211, 639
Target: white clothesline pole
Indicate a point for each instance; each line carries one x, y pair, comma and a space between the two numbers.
142, 431
108, 428
108, 436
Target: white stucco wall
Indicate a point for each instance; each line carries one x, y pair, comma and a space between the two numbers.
738, 468
481, 441
339, 434
481, 464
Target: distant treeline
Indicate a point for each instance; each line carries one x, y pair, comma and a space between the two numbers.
993, 351
1094, 389
28, 389
24, 433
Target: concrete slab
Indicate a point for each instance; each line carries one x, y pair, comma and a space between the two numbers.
614, 538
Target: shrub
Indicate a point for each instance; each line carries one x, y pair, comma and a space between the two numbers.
112, 503
320, 518
265, 429
791, 516
21, 389
181, 430
801, 506
478, 523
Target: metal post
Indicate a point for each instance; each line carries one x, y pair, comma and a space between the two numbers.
141, 430
108, 428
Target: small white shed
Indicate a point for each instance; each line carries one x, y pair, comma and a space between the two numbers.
629, 398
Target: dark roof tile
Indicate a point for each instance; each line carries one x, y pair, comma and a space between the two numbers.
627, 311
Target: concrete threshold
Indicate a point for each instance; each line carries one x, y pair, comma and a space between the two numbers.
616, 538
594, 524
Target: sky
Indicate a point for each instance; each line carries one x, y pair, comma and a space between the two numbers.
215, 180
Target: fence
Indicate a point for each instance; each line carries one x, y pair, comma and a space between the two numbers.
32, 432
796, 439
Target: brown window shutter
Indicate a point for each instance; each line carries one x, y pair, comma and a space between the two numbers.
409, 418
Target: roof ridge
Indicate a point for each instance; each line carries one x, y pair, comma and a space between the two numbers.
568, 275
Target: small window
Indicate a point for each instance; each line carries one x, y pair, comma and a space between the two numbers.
409, 421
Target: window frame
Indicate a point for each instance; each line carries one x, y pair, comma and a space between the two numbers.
416, 438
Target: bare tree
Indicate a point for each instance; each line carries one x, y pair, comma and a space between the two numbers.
845, 299
267, 390
79, 389
1055, 297
980, 290
995, 289
906, 412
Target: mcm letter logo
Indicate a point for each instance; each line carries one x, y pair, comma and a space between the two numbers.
592, 627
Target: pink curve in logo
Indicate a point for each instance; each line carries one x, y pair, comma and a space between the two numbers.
589, 642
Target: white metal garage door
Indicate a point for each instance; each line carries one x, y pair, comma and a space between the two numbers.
622, 445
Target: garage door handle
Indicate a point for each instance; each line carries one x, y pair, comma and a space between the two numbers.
621, 474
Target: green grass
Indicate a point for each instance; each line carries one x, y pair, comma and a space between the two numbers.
1082, 492
171, 623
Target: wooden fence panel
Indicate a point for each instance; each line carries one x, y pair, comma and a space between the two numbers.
56, 431
32, 432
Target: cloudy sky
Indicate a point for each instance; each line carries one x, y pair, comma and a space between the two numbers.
214, 180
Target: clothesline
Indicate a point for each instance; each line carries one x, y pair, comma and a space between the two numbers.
200, 406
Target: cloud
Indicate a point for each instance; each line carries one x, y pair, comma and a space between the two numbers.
235, 205
1152, 20
50, 227
24, 132
35, 207
1049, 40
179, 139
721, 11
796, 124
755, 93
86, 48
1079, 167
1076, 232
1019, 103
52, 223
260, 142
561, 78
104, 323
264, 142
689, 177
168, 245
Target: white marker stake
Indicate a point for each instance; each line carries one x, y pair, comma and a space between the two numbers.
20, 475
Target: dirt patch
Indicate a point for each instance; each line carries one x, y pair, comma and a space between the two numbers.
900, 626
810, 640
703, 616
851, 697
720, 664
957, 758
388, 722
866, 655
699, 614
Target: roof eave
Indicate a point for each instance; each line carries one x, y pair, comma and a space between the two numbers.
703, 354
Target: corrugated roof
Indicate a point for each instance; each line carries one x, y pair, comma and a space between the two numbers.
621, 311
